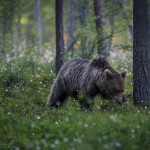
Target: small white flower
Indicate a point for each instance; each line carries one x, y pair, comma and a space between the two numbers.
65, 139
67, 119
133, 130
113, 117
86, 125
106, 146
38, 117
56, 142
52, 145
117, 144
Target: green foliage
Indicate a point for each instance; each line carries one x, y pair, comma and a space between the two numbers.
28, 124
33, 126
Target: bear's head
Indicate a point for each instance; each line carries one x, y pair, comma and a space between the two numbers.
113, 85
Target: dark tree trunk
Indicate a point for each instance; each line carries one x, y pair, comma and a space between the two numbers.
99, 27
38, 26
141, 53
59, 35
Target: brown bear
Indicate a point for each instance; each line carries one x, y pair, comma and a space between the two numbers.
89, 78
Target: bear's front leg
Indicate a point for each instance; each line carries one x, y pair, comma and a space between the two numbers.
86, 102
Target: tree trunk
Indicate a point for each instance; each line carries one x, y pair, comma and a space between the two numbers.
82, 10
11, 22
59, 35
109, 40
141, 53
38, 26
99, 27
19, 33
4, 25
71, 24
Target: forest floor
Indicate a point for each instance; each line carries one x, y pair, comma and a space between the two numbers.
25, 122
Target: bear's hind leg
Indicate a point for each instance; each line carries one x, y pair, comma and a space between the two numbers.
59, 101
57, 96
56, 100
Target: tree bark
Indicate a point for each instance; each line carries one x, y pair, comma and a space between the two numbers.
141, 53
38, 26
99, 27
59, 35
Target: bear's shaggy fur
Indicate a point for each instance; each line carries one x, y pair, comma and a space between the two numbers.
89, 78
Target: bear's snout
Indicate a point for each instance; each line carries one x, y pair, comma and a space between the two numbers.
119, 98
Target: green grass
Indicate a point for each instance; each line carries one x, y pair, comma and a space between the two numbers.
25, 122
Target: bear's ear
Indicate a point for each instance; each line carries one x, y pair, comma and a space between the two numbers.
108, 74
124, 73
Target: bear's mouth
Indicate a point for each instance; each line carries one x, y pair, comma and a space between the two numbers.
110, 97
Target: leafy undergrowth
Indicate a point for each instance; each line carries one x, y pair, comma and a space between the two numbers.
25, 122
28, 125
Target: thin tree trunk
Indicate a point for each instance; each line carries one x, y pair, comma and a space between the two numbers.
99, 27
19, 33
4, 26
82, 13
11, 22
141, 53
59, 35
38, 26
82, 10
71, 24
111, 35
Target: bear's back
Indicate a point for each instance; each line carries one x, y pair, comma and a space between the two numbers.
72, 71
